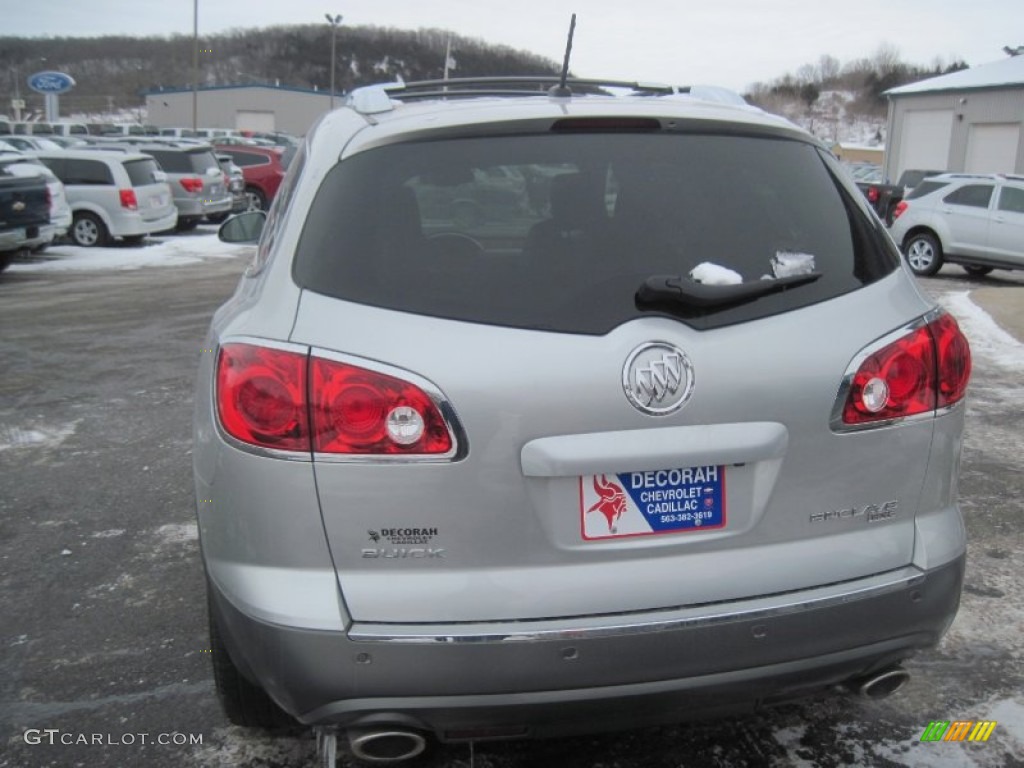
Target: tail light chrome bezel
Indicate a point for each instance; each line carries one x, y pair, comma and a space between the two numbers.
459, 445
836, 421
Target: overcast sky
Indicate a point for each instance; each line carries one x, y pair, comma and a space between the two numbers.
733, 43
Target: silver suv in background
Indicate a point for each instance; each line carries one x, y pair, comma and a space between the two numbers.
197, 182
505, 434
112, 194
975, 220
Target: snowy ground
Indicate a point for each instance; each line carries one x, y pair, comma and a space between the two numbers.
161, 251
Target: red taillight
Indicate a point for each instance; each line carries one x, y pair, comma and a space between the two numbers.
288, 401
954, 360
261, 396
901, 206
873, 194
192, 184
924, 370
356, 410
128, 199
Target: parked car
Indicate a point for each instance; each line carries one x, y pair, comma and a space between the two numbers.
24, 210
31, 143
113, 194
973, 220
197, 182
263, 168
236, 185
20, 164
178, 133
591, 464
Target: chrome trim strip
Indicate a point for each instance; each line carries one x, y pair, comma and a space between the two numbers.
622, 625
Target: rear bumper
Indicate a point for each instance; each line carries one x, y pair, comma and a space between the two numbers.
197, 207
560, 677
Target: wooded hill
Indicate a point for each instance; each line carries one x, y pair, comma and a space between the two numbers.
113, 72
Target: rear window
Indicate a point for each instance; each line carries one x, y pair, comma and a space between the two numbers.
558, 231
177, 161
141, 172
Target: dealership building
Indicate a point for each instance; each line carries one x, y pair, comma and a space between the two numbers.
967, 121
243, 107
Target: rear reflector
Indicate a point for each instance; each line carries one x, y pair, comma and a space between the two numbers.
293, 402
918, 373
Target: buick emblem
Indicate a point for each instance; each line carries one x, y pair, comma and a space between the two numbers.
657, 378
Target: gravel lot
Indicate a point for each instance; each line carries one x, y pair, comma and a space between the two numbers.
104, 627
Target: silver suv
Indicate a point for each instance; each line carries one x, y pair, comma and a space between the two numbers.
506, 434
112, 194
197, 182
973, 220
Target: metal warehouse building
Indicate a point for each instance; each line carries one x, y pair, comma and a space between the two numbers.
966, 121
251, 107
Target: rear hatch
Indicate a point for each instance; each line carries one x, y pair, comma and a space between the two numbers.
610, 453
153, 195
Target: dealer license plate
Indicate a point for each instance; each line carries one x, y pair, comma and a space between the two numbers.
652, 502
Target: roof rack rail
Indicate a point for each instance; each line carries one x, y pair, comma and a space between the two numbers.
376, 98
514, 85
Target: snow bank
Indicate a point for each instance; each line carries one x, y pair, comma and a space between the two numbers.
169, 251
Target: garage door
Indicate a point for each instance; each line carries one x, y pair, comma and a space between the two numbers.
992, 148
925, 142
254, 121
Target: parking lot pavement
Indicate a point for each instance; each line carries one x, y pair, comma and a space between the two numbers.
103, 635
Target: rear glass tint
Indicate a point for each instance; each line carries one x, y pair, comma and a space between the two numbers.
141, 172
558, 231
925, 188
971, 195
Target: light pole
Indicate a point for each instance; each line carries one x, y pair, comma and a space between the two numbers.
195, 64
334, 21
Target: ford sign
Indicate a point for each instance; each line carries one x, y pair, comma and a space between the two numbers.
51, 82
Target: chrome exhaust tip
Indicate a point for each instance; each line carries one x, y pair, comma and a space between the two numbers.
385, 746
883, 684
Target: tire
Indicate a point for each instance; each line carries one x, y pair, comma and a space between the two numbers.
6, 258
88, 230
257, 200
217, 218
975, 270
186, 225
923, 253
243, 702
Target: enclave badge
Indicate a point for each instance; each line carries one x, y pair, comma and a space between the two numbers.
657, 378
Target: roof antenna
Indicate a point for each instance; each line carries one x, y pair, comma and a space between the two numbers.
562, 91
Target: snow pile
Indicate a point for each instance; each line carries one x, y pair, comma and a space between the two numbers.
155, 252
986, 337
714, 274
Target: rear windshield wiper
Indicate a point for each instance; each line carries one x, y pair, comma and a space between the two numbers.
676, 293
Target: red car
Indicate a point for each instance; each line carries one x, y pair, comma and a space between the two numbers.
262, 167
